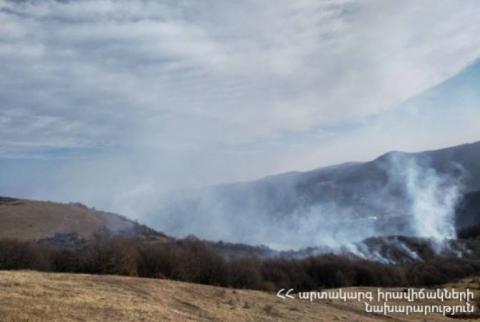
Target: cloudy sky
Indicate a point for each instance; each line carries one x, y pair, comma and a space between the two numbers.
112, 102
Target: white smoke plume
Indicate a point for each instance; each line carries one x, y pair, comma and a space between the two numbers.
405, 196
431, 197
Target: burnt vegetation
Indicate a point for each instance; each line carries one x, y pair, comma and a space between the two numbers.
195, 261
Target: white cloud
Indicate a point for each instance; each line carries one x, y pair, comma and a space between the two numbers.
111, 72
215, 90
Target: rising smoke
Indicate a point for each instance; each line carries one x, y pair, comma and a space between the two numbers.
398, 194
432, 198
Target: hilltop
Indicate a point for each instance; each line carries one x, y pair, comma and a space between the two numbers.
58, 223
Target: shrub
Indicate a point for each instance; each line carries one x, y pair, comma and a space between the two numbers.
194, 261
23, 255
245, 273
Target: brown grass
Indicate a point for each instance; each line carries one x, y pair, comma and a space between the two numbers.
34, 220
34, 296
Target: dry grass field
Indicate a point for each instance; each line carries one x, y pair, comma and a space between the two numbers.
33, 220
34, 296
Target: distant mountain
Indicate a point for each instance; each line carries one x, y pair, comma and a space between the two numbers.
411, 194
364, 208
64, 224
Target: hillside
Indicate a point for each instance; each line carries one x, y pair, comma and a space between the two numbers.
338, 204
468, 215
73, 297
396, 194
72, 224
23, 219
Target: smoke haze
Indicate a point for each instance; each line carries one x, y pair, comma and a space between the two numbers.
396, 194
144, 107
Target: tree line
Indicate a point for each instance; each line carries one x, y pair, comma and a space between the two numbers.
194, 261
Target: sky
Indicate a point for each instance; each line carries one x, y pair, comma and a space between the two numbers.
111, 103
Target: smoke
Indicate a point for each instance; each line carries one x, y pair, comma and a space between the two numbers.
430, 195
328, 225
433, 198
396, 195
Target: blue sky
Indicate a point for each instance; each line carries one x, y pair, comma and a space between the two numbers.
112, 102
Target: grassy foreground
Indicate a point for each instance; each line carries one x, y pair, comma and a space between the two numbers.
35, 296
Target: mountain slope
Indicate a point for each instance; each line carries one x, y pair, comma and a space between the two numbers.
391, 195
42, 220
468, 215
